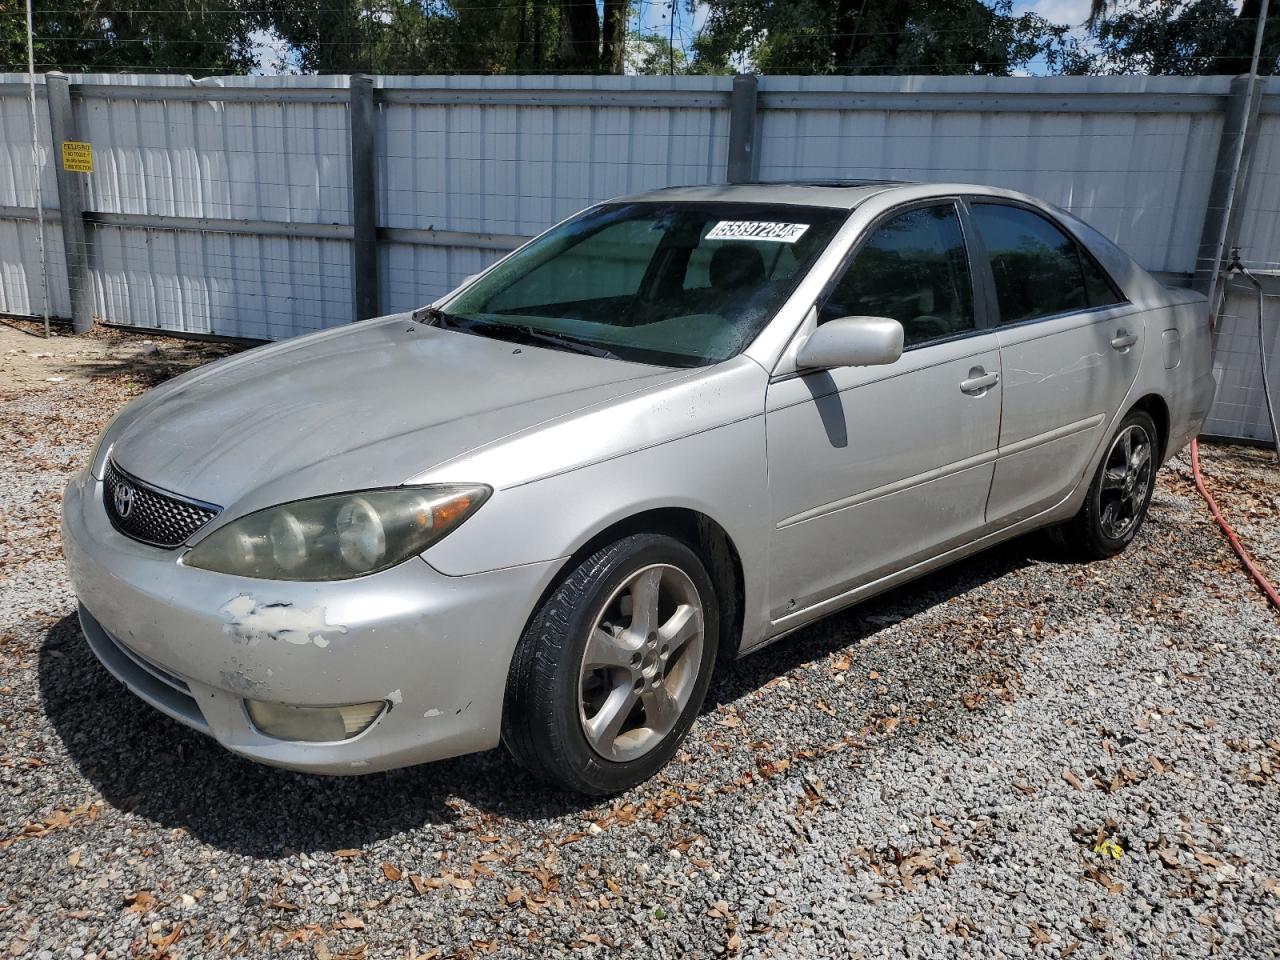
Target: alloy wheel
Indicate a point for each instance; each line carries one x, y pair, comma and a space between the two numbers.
1126, 477
641, 662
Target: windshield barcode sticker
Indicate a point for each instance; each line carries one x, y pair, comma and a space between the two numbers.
757, 230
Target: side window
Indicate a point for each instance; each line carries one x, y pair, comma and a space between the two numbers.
1037, 268
913, 268
1101, 291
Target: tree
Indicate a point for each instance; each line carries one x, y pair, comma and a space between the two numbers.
890, 36
650, 53
1179, 37
189, 36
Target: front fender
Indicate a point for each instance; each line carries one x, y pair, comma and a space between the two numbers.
720, 473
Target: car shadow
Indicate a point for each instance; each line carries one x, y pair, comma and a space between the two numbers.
146, 764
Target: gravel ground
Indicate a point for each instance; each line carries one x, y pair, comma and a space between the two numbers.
1019, 757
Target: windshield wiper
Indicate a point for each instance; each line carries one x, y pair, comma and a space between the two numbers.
519, 332
566, 342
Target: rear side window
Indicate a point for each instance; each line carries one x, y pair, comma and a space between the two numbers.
1097, 285
1039, 270
914, 268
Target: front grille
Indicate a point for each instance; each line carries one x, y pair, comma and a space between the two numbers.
149, 515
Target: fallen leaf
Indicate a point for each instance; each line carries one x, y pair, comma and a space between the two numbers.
391, 871
140, 901
1072, 779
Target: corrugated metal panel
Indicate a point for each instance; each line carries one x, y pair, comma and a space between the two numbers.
21, 281
263, 161
234, 285
210, 158
1141, 178
411, 275
498, 168
1259, 233
1239, 408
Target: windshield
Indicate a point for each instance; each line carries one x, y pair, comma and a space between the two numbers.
678, 284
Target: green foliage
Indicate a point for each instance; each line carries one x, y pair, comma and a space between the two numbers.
187, 36
889, 37
1176, 37
652, 54
202, 37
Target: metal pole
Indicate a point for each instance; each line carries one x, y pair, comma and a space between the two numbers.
1220, 288
35, 162
742, 165
62, 128
364, 201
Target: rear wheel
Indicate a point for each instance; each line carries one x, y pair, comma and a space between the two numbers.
614, 666
1120, 493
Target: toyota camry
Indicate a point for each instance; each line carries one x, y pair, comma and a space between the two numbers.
672, 429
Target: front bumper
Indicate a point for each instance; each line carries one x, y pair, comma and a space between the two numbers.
194, 644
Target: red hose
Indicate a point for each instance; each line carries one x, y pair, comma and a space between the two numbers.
1258, 576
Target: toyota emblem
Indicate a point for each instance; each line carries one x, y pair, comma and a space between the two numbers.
124, 497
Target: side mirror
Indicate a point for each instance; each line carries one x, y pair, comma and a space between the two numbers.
852, 342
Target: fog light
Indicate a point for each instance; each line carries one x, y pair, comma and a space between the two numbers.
313, 724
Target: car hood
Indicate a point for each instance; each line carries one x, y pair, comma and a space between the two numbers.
365, 406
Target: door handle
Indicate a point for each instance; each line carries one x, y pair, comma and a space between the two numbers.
1123, 340
979, 382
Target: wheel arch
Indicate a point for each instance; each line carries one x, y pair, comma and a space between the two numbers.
1157, 409
702, 534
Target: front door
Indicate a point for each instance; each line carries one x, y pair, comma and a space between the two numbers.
874, 468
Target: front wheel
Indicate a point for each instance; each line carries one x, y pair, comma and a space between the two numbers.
1120, 492
614, 666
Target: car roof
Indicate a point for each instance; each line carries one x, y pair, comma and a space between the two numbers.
840, 194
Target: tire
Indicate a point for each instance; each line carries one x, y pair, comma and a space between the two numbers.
560, 701
1120, 493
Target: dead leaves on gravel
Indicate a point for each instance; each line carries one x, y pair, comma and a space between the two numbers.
62, 819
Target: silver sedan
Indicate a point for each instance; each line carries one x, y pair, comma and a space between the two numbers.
673, 428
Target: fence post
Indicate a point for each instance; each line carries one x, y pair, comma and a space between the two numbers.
743, 165
62, 128
1230, 184
364, 201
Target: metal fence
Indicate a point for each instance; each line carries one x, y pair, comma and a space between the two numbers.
268, 207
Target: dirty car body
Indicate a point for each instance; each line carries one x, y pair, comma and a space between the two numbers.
1025, 340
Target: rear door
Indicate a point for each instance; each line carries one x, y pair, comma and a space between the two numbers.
1070, 346
873, 468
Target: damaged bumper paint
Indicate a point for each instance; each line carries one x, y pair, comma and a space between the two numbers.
195, 644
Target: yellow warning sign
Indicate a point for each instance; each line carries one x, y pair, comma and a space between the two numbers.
77, 156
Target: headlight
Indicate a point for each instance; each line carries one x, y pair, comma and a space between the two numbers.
339, 537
